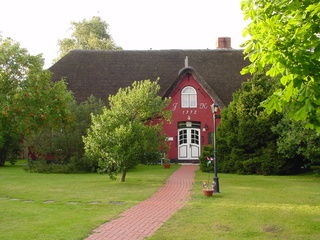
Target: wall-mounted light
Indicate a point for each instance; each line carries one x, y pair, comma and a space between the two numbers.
215, 108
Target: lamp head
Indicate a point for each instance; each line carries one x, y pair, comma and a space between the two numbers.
215, 108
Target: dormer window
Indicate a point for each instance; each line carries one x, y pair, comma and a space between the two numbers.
188, 97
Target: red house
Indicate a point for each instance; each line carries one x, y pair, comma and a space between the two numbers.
194, 79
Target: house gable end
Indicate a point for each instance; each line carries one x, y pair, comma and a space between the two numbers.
204, 85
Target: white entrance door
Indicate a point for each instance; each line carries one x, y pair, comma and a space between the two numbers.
188, 143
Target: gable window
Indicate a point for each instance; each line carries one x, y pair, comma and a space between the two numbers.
188, 97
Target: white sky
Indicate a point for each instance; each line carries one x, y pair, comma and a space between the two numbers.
133, 24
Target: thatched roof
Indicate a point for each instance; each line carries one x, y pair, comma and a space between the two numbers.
100, 73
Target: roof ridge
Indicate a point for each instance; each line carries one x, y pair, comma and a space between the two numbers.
161, 50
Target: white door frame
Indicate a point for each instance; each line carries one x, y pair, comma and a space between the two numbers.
189, 144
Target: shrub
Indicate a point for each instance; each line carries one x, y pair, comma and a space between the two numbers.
229, 166
42, 166
151, 158
65, 146
251, 142
250, 166
75, 165
246, 142
205, 165
299, 145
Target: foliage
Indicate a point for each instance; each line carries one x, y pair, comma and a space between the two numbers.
65, 145
285, 41
208, 185
151, 158
245, 140
88, 34
42, 166
253, 142
297, 143
128, 129
165, 159
29, 100
205, 165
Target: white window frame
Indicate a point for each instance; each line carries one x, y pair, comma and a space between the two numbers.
189, 97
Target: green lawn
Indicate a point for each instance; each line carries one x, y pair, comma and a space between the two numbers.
64, 206
249, 207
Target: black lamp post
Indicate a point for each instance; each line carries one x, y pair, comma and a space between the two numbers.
215, 109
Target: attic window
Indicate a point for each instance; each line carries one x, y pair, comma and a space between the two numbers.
188, 97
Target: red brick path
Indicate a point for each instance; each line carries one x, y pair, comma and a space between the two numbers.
145, 218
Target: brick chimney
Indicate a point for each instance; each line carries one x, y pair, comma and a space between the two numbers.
224, 42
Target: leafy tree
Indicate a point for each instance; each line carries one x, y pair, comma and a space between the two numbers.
92, 34
298, 144
285, 41
29, 100
127, 130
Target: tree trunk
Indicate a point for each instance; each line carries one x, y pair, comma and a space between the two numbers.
123, 177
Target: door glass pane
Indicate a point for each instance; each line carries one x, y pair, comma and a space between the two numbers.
195, 136
182, 137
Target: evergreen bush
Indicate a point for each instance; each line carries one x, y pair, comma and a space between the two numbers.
250, 141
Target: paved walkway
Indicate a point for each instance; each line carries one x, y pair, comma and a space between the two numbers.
145, 218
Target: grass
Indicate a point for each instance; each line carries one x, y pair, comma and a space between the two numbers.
249, 207
72, 212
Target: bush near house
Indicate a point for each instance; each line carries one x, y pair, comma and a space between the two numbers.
62, 151
207, 152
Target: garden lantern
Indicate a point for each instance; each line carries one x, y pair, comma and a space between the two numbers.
215, 110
